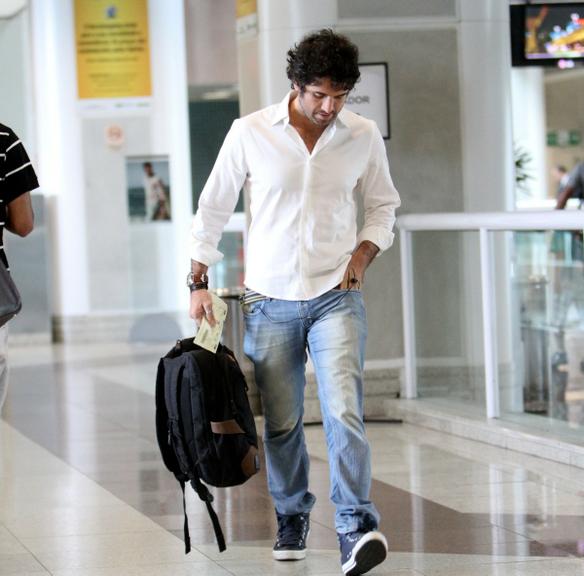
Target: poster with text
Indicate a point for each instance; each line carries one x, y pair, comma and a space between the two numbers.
113, 51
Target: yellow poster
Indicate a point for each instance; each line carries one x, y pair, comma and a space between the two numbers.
247, 18
113, 51
246, 7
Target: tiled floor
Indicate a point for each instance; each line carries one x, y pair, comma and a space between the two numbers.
83, 491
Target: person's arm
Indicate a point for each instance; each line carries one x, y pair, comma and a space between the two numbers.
380, 201
219, 198
216, 205
19, 215
19, 180
565, 195
360, 260
575, 182
201, 302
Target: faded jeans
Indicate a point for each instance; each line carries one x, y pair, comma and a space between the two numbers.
332, 328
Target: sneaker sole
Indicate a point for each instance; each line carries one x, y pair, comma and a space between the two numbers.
289, 554
369, 552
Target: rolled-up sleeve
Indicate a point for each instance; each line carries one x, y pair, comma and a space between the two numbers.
219, 198
380, 197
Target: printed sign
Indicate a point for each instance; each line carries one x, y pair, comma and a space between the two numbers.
114, 136
370, 97
247, 18
113, 52
564, 138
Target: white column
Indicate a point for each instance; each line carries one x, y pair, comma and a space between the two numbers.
170, 126
488, 170
59, 152
61, 125
485, 86
529, 128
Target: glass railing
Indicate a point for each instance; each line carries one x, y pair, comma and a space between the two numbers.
448, 339
494, 312
548, 312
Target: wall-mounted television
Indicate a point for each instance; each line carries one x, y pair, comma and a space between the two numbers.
547, 34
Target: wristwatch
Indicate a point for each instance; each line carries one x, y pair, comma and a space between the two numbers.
195, 282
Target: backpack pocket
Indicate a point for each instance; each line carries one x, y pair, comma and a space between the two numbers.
237, 459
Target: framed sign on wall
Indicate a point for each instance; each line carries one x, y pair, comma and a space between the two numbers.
370, 97
113, 49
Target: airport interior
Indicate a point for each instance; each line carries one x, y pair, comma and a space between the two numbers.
474, 370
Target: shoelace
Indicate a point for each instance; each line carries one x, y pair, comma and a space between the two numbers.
292, 530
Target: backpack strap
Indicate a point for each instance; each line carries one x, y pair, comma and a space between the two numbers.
187, 466
186, 524
172, 405
200, 488
207, 498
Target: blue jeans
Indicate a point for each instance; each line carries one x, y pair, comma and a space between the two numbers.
333, 329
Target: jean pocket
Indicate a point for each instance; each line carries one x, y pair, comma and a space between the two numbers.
252, 308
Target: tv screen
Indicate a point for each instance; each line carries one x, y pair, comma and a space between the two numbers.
547, 34
554, 31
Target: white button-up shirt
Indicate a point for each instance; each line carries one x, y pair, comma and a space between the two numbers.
303, 205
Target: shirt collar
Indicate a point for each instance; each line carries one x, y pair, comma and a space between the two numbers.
282, 113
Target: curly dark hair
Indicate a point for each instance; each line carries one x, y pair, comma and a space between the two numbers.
324, 54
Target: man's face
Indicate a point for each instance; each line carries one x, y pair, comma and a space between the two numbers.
321, 102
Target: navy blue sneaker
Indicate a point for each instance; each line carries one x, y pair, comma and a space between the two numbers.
361, 551
293, 532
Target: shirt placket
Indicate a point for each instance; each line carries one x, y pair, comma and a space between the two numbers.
306, 195
307, 192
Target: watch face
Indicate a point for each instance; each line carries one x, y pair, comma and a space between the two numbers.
191, 278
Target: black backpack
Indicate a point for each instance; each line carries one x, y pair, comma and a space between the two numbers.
204, 424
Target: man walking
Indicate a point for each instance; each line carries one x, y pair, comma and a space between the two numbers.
303, 162
17, 179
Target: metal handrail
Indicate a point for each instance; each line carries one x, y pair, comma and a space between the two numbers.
468, 221
484, 223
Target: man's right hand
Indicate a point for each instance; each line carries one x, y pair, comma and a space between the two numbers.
202, 307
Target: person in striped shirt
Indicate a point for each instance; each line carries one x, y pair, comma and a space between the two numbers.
17, 180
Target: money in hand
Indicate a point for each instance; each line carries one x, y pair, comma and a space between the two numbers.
208, 336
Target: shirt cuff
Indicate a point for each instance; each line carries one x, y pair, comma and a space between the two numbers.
205, 254
381, 237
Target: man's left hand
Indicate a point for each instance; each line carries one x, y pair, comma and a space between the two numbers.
360, 260
353, 278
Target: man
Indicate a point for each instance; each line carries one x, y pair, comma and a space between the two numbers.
561, 176
17, 179
303, 162
568, 251
573, 187
155, 195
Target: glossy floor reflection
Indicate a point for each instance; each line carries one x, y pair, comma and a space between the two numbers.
83, 491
